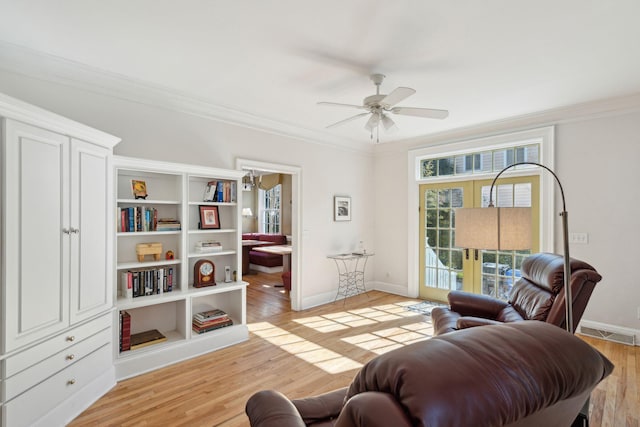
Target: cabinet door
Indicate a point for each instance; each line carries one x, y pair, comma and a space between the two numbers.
90, 238
36, 226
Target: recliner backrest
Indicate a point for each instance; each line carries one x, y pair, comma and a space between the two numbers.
539, 293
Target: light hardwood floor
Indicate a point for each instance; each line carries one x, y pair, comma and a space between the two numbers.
306, 353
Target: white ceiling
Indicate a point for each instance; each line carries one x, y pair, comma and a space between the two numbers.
272, 60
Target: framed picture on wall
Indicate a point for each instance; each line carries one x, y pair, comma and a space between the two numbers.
341, 208
209, 217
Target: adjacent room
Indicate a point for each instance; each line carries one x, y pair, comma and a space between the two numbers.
319, 213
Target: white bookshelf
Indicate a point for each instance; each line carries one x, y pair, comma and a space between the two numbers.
177, 191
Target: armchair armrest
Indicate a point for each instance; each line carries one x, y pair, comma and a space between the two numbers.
468, 304
373, 408
269, 408
470, 322
321, 407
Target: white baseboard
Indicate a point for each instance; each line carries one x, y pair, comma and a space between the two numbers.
390, 288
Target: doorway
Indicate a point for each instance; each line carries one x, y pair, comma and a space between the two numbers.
290, 203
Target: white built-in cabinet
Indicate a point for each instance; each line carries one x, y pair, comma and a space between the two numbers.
57, 296
177, 191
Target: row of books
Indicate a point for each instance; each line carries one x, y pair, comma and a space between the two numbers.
202, 322
148, 281
210, 320
142, 218
129, 341
220, 191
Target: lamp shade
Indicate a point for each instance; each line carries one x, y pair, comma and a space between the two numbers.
493, 228
247, 212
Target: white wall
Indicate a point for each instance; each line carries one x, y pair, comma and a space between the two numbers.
156, 133
596, 160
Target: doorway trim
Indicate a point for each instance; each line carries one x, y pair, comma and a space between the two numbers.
544, 136
295, 294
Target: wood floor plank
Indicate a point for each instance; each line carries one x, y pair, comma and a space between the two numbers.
303, 354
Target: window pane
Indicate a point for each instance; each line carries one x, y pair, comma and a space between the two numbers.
431, 198
456, 198
428, 168
522, 195
464, 164
482, 162
445, 166
505, 196
444, 199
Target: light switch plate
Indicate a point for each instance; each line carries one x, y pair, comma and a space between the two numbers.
579, 238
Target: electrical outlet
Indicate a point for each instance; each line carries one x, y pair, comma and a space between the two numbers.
579, 238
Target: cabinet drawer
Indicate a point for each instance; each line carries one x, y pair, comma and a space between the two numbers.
20, 361
37, 373
36, 402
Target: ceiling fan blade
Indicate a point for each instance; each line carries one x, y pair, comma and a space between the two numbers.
388, 124
428, 113
337, 104
397, 95
372, 122
347, 120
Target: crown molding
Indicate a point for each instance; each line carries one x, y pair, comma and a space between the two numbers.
16, 109
42, 66
569, 114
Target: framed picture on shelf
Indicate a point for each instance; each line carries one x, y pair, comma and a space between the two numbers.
341, 208
209, 217
139, 189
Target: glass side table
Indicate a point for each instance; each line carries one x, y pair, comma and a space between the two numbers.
350, 273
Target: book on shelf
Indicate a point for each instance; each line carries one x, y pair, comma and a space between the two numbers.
168, 224
203, 329
125, 331
210, 320
127, 285
208, 246
221, 191
143, 339
214, 314
140, 218
147, 281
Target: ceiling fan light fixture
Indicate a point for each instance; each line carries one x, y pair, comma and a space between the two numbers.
373, 121
389, 125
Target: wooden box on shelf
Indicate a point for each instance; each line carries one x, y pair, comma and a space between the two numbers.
153, 249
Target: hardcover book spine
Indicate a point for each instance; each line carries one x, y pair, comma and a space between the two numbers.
125, 331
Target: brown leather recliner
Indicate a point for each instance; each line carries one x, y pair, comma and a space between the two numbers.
526, 373
537, 295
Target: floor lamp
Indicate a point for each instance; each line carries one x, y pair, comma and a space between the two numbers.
510, 229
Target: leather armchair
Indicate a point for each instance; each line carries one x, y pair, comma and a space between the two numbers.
537, 295
526, 373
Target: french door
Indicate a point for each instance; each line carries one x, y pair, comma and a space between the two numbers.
444, 267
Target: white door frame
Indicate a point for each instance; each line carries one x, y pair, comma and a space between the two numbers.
545, 136
296, 223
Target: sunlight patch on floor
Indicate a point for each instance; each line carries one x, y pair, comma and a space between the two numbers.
388, 339
359, 317
325, 359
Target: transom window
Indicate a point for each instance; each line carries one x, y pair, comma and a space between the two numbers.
481, 162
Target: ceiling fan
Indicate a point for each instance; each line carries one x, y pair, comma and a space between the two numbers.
379, 105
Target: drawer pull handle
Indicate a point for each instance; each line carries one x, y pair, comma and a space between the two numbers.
71, 338
71, 357
71, 382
